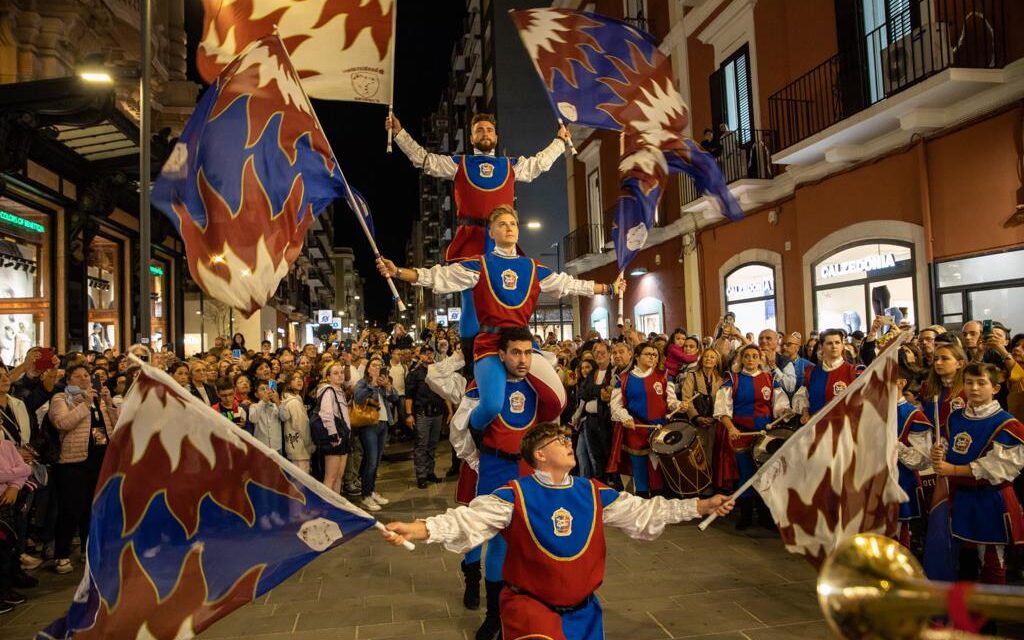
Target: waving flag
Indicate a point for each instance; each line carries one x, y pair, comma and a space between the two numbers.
251, 171
342, 49
193, 518
605, 74
837, 476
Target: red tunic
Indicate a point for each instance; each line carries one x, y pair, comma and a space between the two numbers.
482, 183
556, 546
505, 296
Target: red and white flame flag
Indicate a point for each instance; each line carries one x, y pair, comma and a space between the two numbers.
837, 476
341, 49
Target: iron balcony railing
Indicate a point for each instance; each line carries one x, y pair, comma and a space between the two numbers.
744, 153
589, 238
911, 46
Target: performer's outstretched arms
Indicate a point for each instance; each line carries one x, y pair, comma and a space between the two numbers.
459, 530
441, 278
432, 164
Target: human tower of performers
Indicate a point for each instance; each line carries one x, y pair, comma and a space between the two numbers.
542, 572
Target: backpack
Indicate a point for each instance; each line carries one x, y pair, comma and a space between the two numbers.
317, 430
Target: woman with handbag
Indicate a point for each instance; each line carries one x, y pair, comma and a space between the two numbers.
700, 385
332, 405
372, 393
85, 420
298, 445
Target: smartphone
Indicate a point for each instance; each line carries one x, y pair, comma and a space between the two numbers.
272, 385
986, 328
45, 361
236, 353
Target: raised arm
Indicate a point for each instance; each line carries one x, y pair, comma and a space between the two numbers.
563, 284
432, 164
461, 529
441, 278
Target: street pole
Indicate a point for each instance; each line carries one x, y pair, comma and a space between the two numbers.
144, 167
558, 268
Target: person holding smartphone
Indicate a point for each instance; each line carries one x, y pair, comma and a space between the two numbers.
85, 418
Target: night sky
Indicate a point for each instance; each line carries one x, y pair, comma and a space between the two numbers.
426, 33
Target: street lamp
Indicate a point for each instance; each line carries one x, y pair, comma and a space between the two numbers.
558, 268
95, 72
534, 225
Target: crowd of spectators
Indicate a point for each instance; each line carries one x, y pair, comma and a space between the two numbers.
334, 410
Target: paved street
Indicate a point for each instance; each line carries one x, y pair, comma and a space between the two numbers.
687, 584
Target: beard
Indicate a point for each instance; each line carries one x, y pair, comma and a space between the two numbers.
486, 145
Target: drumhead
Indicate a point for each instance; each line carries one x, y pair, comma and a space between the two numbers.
673, 437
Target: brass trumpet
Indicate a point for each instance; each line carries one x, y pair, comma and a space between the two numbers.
873, 588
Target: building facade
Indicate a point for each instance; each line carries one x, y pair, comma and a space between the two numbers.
874, 148
69, 212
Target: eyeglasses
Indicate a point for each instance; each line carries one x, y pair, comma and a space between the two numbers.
650, 354
563, 440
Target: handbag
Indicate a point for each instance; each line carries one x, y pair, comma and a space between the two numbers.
366, 414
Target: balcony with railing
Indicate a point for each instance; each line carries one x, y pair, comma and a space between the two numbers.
584, 240
906, 50
744, 154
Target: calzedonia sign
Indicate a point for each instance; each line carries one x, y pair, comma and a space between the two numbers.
860, 265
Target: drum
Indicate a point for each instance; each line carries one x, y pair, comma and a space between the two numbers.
684, 463
769, 443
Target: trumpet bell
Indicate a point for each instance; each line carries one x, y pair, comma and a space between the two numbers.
864, 588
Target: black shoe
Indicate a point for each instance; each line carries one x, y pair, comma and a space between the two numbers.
12, 597
422, 483
6, 608
471, 576
433, 478
22, 580
490, 629
454, 471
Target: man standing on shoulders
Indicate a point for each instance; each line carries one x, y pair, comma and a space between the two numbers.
426, 412
554, 526
483, 182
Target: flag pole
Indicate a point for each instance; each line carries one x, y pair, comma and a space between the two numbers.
620, 299
377, 256
536, 67
391, 76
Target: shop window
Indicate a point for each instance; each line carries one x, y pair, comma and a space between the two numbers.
750, 295
981, 287
649, 316
104, 269
160, 306
854, 284
599, 321
24, 280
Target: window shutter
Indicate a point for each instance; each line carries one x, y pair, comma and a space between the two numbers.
717, 101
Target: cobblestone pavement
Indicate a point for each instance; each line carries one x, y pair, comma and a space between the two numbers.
687, 584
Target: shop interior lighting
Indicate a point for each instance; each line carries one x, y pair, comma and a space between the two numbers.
18, 221
638, 271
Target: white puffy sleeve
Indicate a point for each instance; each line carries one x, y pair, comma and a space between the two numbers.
432, 164
723, 402
563, 284
1003, 463
464, 528
528, 169
645, 519
444, 378
446, 278
801, 402
459, 434
618, 409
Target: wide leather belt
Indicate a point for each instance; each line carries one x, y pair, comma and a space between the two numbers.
498, 453
489, 328
561, 610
